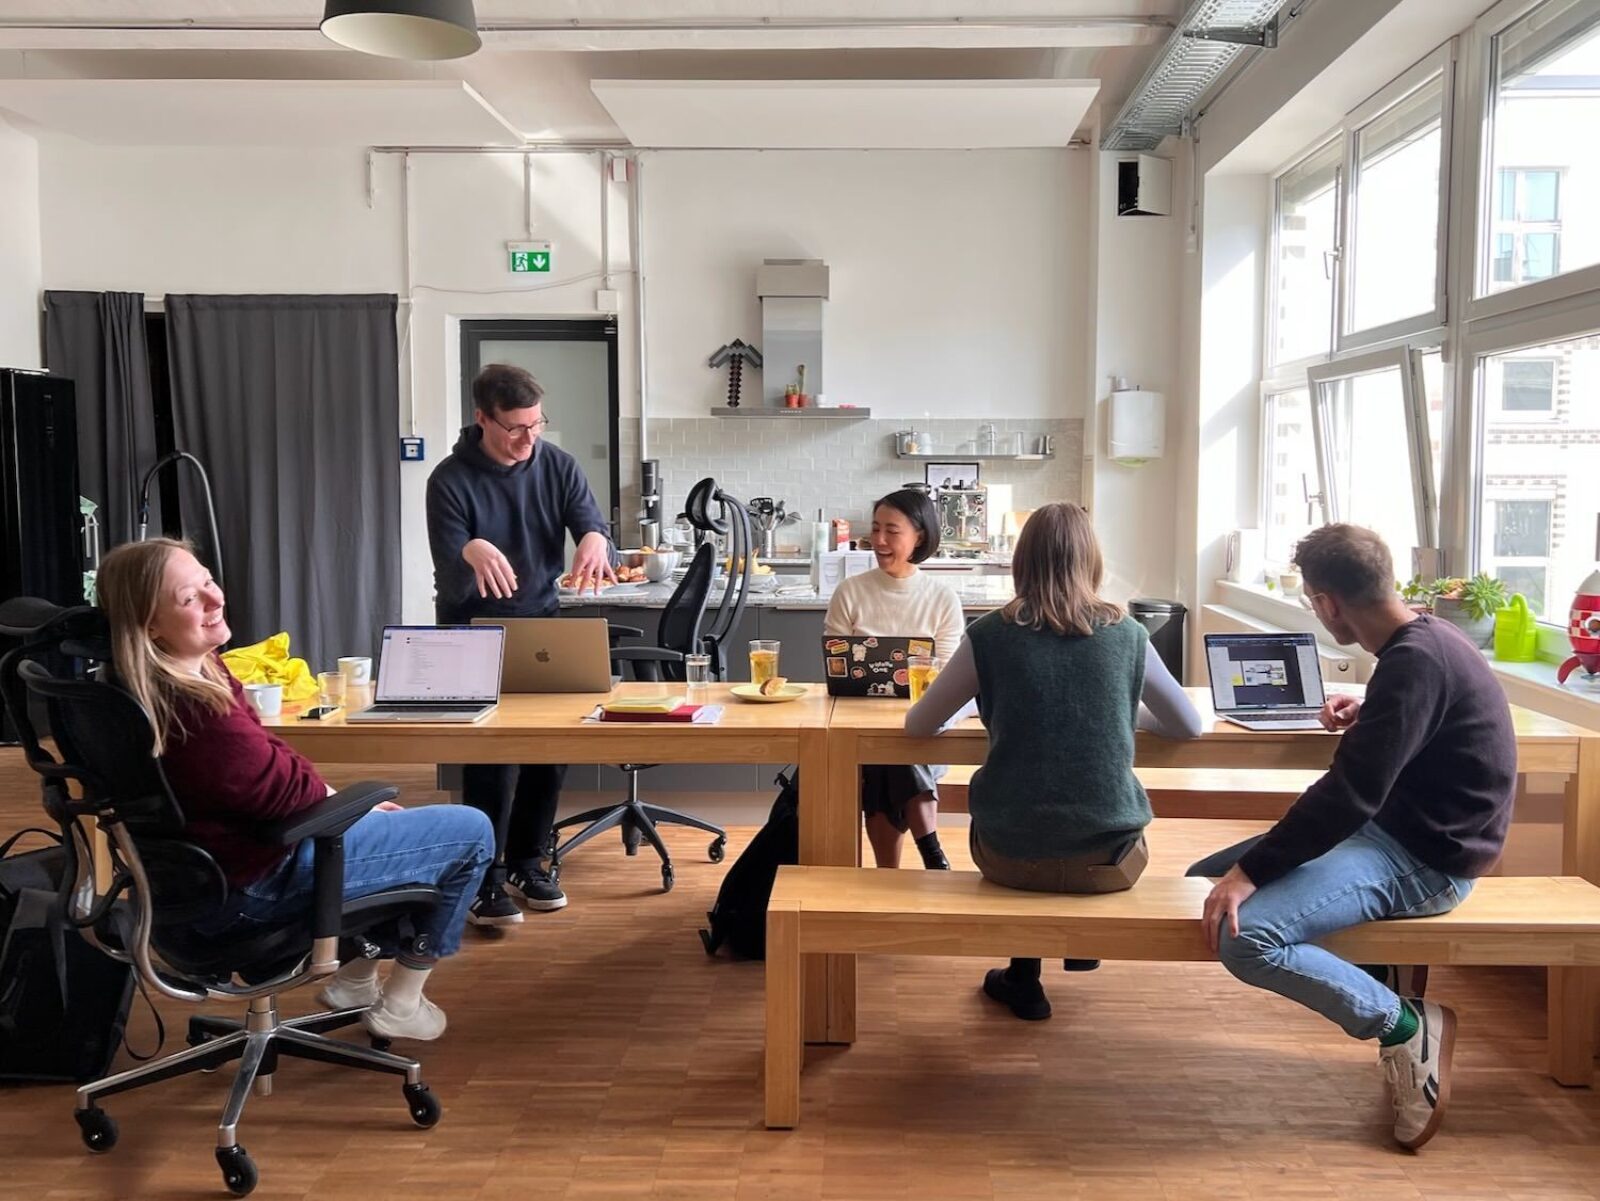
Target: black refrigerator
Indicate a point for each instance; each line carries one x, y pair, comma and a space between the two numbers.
40, 549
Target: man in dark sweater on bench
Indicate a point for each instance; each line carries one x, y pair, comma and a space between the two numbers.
1414, 808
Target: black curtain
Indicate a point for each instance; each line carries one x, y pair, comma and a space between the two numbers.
293, 405
97, 340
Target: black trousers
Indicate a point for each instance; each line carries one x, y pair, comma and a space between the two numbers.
521, 802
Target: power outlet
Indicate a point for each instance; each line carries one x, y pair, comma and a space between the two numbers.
411, 450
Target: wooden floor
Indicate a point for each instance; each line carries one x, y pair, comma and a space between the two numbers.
597, 1053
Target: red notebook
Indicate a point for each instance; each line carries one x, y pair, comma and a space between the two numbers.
683, 713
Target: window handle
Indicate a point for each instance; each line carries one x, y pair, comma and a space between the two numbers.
1312, 498
1329, 260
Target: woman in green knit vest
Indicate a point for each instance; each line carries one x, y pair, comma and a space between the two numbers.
1058, 676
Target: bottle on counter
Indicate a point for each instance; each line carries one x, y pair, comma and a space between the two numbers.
819, 543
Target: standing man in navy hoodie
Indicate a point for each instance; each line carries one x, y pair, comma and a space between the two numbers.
500, 506
1414, 808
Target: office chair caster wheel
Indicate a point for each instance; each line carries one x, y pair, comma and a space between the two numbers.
238, 1170
719, 850
666, 877
381, 1044
99, 1129
425, 1110
630, 840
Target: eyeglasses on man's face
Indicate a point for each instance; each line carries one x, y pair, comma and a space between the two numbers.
526, 430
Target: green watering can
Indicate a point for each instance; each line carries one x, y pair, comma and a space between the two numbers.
1516, 632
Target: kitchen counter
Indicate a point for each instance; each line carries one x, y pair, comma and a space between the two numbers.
976, 592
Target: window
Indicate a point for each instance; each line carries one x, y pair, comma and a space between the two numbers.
1528, 386
1394, 254
1307, 246
1291, 474
1527, 225
1374, 448
1540, 487
1544, 159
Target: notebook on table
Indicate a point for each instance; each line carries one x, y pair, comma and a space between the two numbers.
870, 665
436, 674
1266, 681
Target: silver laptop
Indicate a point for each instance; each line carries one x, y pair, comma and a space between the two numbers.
1266, 681
436, 674
555, 654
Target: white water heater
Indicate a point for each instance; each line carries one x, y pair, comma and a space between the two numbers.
1136, 426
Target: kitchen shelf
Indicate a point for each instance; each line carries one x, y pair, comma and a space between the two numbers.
966, 456
808, 414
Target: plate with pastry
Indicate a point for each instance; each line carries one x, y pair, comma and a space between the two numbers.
773, 691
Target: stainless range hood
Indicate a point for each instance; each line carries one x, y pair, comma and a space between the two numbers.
793, 293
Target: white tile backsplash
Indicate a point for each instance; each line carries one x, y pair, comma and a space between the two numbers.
838, 466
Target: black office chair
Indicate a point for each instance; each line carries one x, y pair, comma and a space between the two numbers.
682, 631
167, 884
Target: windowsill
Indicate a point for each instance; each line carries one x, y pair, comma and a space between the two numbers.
1531, 685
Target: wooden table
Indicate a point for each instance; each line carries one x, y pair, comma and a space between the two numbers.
549, 728
872, 731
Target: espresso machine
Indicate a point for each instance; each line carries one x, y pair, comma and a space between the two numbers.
963, 517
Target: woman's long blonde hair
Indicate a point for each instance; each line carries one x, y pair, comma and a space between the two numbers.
128, 586
1057, 568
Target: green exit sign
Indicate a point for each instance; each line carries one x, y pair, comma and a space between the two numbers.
529, 257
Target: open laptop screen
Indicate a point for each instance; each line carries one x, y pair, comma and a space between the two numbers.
1263, 671
440, 663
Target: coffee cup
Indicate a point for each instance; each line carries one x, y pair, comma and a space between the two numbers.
265, 699
357, 670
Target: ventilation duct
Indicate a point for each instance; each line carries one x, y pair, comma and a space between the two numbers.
1209, 36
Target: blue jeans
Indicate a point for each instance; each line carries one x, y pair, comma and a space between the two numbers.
446, 846
1366, 877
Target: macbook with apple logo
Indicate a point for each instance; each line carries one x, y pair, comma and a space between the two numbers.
554, 654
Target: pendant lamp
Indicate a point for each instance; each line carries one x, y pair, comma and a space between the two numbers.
412, 29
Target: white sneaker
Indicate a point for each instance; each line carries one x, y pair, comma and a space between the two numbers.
424, 1023
1418, 1074
340, 993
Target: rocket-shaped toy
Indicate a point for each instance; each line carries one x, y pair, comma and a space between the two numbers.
1584, 630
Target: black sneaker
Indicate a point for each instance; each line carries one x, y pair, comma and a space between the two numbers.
1025, 999
534, 887
491, 907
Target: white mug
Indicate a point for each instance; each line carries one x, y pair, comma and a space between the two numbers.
267, 699
357, 670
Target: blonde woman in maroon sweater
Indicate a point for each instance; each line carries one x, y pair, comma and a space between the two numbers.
230, 775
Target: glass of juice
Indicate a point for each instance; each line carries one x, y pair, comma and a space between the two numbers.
763, 660
923, 670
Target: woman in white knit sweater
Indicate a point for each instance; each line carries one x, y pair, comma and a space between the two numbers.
898, 600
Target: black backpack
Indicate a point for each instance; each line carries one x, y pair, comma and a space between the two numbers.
63, 1004
739, 918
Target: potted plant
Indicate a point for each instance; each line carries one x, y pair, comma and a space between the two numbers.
1469, 605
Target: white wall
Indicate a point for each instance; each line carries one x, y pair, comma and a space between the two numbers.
260, 220
1137, 329
19, 250
958, 278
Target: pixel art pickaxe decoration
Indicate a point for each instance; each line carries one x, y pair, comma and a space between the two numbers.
735, 354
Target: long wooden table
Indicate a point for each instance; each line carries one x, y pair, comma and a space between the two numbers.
872, 731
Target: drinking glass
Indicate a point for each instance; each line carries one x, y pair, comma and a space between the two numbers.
763, 660
330, 689
924, 670
697, 675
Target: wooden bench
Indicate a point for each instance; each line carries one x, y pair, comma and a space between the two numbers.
1543, 921
1242, 794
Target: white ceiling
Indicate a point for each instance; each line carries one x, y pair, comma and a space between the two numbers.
967, 114
258, 112
538, 59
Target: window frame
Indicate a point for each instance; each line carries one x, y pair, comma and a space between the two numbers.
1479, 303
1274, 368
1407, 361
1440, 64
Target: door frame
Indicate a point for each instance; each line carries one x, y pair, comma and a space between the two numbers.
476, 331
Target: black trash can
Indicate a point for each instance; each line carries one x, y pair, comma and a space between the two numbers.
1164, 620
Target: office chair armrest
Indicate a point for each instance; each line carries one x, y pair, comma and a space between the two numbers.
614, 631
332, 816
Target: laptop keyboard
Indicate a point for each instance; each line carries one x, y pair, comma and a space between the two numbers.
430, 708
1303, 715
